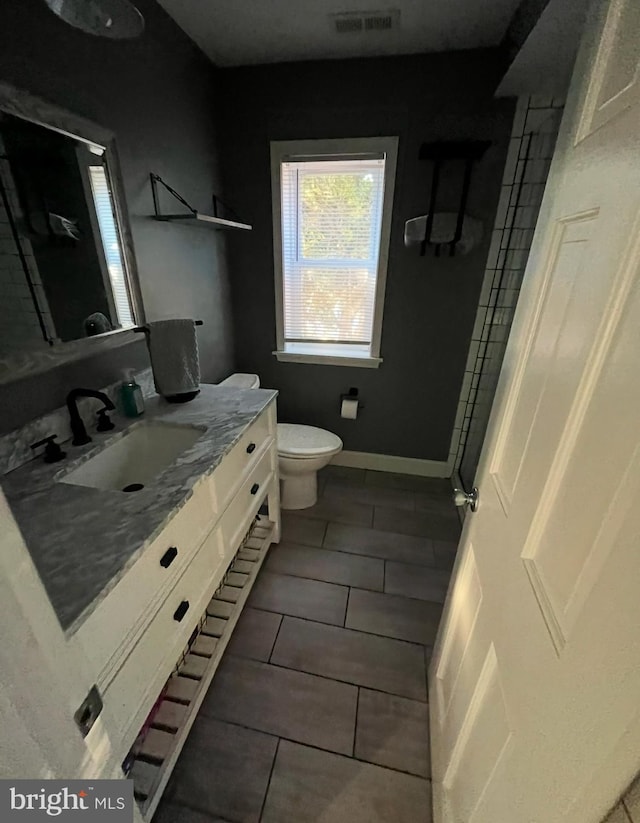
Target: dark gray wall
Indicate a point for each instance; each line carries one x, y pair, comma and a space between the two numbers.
157, 93
430, 303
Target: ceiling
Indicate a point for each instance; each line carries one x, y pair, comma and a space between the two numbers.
545, 61
245, 32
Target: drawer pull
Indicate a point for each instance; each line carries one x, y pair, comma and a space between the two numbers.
180, 612
254, 488
251, 448
168, 557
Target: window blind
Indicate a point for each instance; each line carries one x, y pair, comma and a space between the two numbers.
111, 244
331, 224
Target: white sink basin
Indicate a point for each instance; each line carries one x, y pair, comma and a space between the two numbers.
135, 459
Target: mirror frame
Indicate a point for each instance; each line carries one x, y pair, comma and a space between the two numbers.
28, 107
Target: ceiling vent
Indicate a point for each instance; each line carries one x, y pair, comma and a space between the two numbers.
350, 22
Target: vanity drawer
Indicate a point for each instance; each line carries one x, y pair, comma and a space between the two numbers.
244, 506
232, 471
115, 626
138, 682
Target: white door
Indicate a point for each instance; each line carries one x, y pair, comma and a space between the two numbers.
535, 680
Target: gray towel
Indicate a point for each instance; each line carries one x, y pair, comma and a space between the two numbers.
173, 347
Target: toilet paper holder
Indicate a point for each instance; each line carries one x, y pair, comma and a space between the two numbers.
352, 394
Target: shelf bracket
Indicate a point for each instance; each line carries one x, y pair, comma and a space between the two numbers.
231, 222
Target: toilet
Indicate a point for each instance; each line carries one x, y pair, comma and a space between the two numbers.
302, 452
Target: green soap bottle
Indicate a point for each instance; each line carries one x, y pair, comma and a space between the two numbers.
131, 394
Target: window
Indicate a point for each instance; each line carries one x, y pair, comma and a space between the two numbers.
111, 244
332, 205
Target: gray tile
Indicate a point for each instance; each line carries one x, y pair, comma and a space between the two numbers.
393, 731
302, 530
346, 474
373, 543
168, 813
254, 634
444, 553
373, 495
286, 703
297, 596
421, 582
340, 511
410, 482
308, 786
364, 659
437, 503
392, 616
423, 524
330, 566
223, 770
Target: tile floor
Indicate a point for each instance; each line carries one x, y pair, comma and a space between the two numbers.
318, 711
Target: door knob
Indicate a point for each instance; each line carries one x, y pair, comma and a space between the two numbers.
461, 498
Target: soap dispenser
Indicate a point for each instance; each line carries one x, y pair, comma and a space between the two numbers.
131, 393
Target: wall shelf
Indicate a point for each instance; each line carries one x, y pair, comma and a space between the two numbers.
210, 219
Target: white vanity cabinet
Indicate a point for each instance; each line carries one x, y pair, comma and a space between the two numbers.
140, 631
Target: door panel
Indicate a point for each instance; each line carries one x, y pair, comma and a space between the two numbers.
468, 598
616, 78
481, 743
565, 308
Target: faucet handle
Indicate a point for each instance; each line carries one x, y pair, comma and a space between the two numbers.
52, 451
105, 424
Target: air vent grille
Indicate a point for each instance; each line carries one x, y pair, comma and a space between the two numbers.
378, 23
350, 22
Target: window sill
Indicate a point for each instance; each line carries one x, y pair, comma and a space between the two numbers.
328, 359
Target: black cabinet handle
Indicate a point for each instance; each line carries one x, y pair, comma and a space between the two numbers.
168, 557
251, 448
180, 612
254, 488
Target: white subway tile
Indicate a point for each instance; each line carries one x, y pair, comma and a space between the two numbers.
520, 116
511, 162
494, 248
472, 355
540, 101
487, 284
479, 324
503, 205
536, 119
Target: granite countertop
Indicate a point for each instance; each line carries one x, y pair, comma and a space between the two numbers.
83, 540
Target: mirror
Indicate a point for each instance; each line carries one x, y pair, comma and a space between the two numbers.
65, 268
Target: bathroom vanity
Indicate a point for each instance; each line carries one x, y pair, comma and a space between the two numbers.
148, 584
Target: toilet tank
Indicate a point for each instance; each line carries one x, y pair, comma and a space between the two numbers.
241, 381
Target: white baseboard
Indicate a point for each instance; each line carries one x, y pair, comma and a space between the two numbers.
392, 463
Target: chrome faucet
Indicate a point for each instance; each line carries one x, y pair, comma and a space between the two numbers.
80, 436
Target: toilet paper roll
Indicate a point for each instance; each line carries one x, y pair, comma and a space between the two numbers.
349, 409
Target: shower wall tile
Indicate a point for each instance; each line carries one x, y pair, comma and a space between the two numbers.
19, 323
533, 136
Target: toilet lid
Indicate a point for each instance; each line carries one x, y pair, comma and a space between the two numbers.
295, 440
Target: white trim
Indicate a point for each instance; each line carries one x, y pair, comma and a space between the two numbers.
282, 150
392, 463
328, 360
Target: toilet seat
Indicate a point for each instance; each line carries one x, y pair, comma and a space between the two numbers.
295, 440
